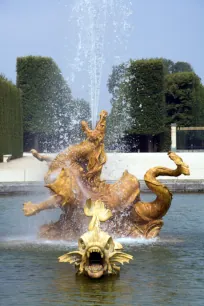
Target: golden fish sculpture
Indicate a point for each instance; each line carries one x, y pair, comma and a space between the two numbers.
98, 254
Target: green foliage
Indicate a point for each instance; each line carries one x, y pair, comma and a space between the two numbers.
45, 98
182, 67
200, 98
137, 90
118, 122
115, 80
165, 140
171, 67
168, 66
11, 132
182, 98
145, 92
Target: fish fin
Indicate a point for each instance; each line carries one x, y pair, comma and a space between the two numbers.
118, 245
94, 223
71, 257
88, 208
120, 257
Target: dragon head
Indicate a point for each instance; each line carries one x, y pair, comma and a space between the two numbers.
98, 254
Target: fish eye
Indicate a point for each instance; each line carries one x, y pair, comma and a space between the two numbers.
107, 246
82, 244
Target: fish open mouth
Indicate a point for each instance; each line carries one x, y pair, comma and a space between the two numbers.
95, 263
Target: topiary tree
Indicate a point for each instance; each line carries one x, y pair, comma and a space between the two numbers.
138, 99
45, 98
174, 67
182, 91
11, 126
139, 103
145, 91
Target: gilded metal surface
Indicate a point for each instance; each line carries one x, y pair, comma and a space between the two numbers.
74, 176
98, 254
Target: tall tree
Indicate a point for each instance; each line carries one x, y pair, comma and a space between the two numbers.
139, 105
45, 98
115, 81
174, 67
168, 66
201, 110
182, 67
182, 98
11, 125
145, 91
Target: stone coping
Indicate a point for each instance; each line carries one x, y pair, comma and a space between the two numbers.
176, 186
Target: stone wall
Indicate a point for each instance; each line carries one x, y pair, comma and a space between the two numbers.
28, 169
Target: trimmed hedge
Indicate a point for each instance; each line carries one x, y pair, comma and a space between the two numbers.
182, 91
45, 100
146, 96
11, 130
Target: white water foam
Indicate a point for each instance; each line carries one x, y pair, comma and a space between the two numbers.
32, 241
137, 241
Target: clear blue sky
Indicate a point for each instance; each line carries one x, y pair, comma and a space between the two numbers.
173, 29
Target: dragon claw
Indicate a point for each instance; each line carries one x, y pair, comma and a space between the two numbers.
29, 209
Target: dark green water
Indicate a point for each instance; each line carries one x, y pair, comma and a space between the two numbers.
166, 271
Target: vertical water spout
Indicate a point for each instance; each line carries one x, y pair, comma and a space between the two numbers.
98, 24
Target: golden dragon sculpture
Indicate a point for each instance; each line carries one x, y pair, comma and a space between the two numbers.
74, 176
98, 254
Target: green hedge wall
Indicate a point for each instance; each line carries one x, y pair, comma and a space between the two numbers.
183, 101
145, 92
45, 100
11, 130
